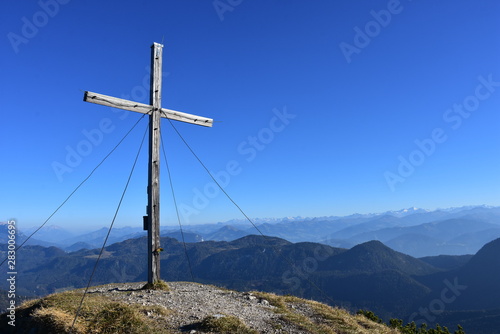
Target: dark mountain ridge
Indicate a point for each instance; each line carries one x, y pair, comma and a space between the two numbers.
374, 256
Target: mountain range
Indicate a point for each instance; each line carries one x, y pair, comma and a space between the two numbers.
413, 231
446, 289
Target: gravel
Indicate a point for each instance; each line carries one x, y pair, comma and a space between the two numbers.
192, 302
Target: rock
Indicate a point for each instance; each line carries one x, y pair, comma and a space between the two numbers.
249, 296
263, 302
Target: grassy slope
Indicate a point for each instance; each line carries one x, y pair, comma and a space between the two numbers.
55, 314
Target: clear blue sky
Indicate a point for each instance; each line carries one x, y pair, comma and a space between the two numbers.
319, 106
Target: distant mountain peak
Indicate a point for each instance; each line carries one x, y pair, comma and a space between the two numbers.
406, 212
372, 245
374, 256
53, 227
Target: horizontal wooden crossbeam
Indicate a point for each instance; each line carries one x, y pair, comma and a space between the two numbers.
115, 102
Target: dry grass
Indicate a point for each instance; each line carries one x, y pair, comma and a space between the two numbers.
55, 320
55, 314
158, 285
318, 318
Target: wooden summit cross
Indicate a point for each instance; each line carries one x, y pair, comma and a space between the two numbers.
155, 112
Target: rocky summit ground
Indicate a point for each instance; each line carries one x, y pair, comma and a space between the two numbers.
191, 303
184, 308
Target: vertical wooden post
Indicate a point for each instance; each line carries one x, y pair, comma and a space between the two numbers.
154, 166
